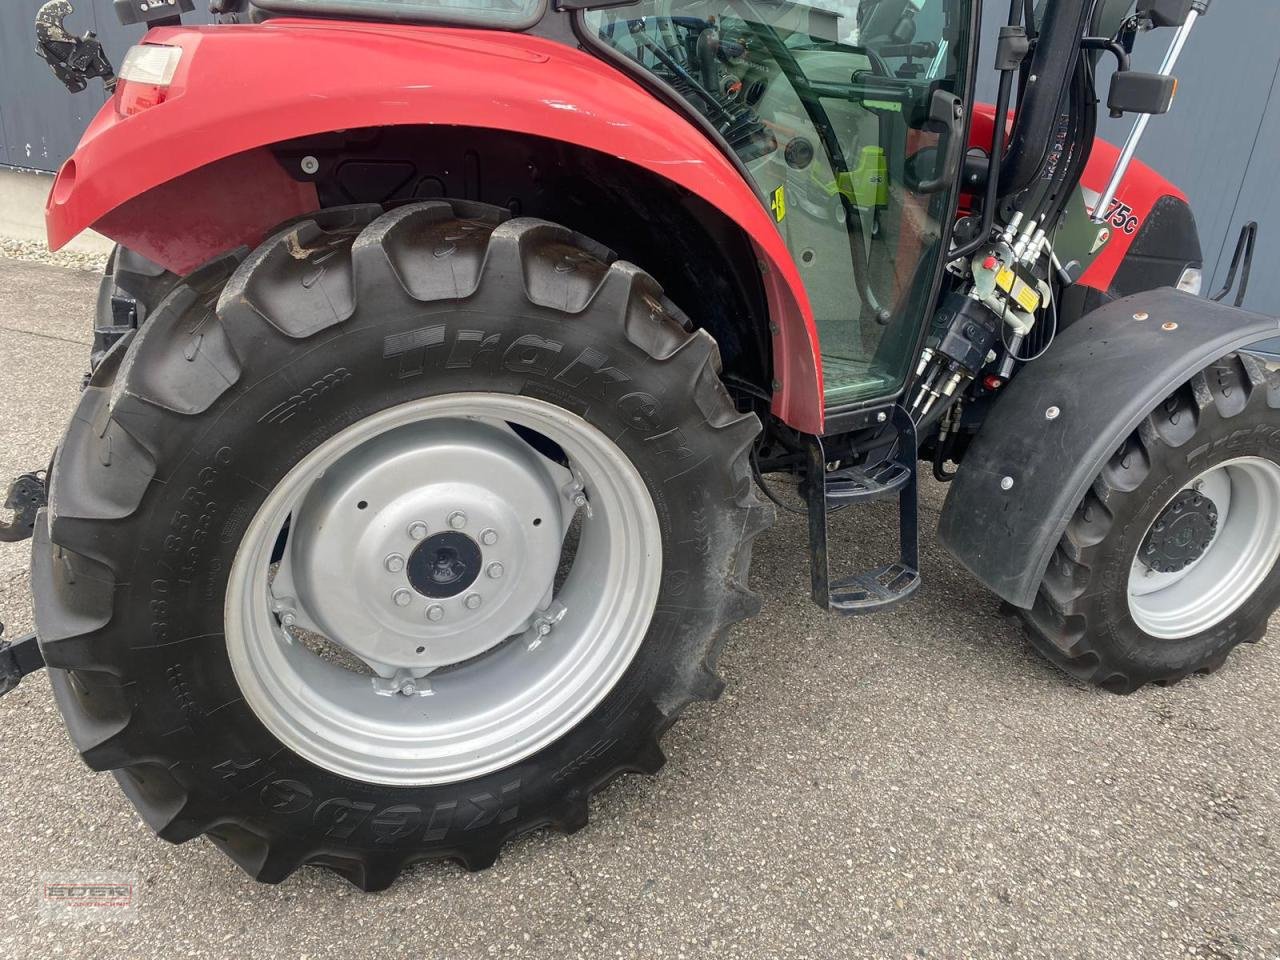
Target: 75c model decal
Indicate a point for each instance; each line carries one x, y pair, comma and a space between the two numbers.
1121, 216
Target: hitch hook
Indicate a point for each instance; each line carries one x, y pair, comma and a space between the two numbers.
74, 60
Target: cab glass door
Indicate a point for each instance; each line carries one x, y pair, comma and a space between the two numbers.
842, 112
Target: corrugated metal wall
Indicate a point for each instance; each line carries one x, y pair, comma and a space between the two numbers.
1221, 143
40, 122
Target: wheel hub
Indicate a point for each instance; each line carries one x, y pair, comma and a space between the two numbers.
445, 564
1181, 534
428, 546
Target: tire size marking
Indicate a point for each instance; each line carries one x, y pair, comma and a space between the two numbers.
182, 546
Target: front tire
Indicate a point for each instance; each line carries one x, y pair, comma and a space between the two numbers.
1170, 560
259, 361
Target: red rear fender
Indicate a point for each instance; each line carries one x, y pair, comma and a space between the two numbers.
241, 88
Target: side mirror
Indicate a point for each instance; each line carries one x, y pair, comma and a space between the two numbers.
1167, 13
1136, 92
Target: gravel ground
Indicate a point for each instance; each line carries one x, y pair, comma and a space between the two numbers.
37, 251
916, 784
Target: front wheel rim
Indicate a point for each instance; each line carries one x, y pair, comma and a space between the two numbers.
468, 657
1241, 554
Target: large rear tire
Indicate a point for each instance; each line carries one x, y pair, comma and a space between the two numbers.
421, 332
1170, 560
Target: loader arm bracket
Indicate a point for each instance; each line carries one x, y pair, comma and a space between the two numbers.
1030, 465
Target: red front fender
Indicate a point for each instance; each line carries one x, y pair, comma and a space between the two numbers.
239, 88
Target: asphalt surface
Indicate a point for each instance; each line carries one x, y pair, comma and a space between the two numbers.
916, 784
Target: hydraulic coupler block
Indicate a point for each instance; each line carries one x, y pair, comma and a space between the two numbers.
960, 342
963, 332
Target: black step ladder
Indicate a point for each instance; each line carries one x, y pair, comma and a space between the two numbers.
885, 586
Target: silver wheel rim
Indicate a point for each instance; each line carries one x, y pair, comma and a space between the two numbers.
347, 661
1243, 550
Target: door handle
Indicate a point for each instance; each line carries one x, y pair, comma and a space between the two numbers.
947, 111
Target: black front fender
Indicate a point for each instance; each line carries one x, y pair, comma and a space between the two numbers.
1104, 373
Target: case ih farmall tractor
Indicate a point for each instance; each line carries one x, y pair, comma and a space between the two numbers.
448, 346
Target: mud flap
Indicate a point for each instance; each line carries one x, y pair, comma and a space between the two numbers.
1055, 425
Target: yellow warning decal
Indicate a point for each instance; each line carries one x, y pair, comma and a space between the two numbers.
778, 204
1023, 295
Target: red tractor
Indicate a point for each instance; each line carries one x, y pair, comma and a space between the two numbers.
448, 346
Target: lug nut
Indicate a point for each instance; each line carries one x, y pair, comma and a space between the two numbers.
402, 597
288, 619
435, 613
457, 519
495, 570
417, 530
472, 601
488, 537
408, 688
394, 563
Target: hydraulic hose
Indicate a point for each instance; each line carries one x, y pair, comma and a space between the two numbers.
1057, 52
1003, 95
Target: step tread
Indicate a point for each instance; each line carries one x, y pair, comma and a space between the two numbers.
864, 484
874, 590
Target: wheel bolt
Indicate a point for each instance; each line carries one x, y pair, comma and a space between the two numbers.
472, 601
394, 563
417, 530
457, 519
435, 613
495, 570
402, 597
488, 536
288, 619
408, 688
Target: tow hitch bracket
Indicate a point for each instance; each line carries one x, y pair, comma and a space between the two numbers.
18, 659
26, 496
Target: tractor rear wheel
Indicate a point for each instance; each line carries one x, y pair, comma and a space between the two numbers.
395, 538
1170, 561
